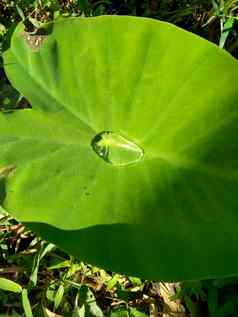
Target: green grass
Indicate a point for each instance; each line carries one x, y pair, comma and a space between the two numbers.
57, 283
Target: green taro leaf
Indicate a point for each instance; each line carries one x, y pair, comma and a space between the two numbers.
128, 158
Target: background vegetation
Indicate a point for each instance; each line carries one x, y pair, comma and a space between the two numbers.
38, 279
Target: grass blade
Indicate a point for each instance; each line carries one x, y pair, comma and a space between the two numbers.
8, 285
26, 304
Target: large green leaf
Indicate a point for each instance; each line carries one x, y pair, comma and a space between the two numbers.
159, 199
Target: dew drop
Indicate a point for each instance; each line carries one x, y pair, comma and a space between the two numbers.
116, 149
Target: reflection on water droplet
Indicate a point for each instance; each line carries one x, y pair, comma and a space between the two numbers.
115, 149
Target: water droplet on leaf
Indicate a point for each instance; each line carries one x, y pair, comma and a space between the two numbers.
116, 149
